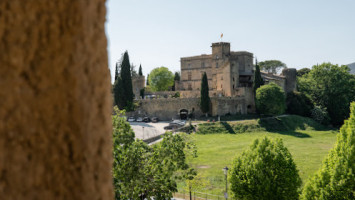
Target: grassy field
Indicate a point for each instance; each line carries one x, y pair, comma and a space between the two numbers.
307, 141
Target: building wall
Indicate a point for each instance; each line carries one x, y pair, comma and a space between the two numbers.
167, 109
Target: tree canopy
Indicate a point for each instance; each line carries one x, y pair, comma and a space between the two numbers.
302, 72
265, 171
270, 99
336, 178
161, 79
332, 87
141, 171
272, 66
205, 100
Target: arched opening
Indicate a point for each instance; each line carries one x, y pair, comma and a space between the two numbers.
183, 114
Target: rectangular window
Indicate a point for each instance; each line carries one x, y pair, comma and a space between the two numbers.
202, 64
190, 87
216, 64
189, 76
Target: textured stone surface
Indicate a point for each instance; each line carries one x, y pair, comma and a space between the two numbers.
55, 124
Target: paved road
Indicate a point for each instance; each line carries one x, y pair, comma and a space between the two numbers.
147, 130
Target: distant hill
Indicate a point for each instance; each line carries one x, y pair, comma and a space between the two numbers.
352, 68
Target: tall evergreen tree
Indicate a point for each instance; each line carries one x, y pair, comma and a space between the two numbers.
205, 98
258, 80
140, 73
126, 78
116, 71
117, 93
176, 78
147, 79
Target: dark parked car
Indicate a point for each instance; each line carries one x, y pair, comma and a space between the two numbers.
155, 119
146, 119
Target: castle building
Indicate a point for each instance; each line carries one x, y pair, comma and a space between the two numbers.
230, 78
229, 73
226, 70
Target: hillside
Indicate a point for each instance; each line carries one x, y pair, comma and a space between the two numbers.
218, 144
271, 124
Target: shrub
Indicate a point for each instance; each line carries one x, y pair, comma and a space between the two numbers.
320, 115
265, 171
298, 104
270, 99
336, 179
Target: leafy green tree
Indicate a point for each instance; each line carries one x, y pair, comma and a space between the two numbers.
298, 104
336, 179
127, 95
205, 100
302, 72
161, 79
140, 73
142, 171
258, 80
331, 87
117, 93
270, 99
265, 171
272, 66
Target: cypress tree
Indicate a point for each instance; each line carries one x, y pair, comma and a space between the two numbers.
126, 78
116, 71
205, 98
119, 99
140, 73
258, 80
147, 79
177, 76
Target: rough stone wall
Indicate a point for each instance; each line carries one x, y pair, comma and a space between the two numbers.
167, 109
55, 123
231, 105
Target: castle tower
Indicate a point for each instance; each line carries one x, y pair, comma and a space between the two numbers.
220, 50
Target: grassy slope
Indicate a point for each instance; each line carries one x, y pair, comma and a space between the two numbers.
307, 141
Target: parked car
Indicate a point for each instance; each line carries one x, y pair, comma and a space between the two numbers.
177, 122
155, 119
146, 119
131, 119
139, 119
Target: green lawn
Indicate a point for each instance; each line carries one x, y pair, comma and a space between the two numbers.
307, 144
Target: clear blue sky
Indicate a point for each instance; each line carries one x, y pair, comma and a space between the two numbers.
301, 33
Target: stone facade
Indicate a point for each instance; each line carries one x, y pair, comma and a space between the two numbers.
169, 108
227, 71
230, 78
